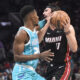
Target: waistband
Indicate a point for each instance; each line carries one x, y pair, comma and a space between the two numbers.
26, 66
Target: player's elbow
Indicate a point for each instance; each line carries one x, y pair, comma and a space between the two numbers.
15, 58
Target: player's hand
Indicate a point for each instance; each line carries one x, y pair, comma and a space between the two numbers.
66, 25
48, 18
47, 55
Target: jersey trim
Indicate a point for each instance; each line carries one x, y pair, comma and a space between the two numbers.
67, 55
67, 71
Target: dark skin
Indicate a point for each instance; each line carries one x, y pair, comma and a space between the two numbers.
21, 38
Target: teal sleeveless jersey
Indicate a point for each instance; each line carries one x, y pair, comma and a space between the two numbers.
32, 47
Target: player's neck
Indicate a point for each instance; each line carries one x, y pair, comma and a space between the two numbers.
29, 25
52, 27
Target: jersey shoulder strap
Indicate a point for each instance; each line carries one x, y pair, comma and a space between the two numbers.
26, 29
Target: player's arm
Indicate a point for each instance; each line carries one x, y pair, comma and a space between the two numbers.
70, 35
42, 32
18, 48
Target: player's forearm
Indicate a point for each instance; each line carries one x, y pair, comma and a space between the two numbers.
43, 31
72, 42
24, 58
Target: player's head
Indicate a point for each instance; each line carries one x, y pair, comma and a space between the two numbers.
28, 13
49, 9
59, 18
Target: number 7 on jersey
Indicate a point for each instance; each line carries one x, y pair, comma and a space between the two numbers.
58, 45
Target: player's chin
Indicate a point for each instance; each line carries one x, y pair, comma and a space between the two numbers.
45, 17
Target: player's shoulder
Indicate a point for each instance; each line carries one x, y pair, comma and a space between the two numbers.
21, 35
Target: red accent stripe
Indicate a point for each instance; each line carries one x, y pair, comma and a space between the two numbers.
67, 68
67, 55
66, 72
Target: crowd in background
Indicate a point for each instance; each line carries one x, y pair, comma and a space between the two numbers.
10, 21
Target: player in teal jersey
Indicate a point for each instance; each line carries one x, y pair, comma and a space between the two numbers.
26, 47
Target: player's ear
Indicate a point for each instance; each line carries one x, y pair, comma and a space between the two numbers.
31, 14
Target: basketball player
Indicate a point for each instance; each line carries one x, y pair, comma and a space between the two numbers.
26, 47
47, 13
60, 37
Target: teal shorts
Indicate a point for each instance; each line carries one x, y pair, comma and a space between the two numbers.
22, 73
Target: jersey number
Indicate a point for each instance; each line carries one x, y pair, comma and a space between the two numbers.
58, 45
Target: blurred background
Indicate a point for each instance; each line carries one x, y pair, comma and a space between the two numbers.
10, 21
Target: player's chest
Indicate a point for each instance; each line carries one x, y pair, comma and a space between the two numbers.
54, 37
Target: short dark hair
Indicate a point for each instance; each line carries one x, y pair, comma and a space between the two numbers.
53, 7
26, 10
